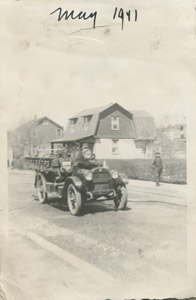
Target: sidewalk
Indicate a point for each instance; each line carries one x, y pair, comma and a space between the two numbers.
34, 268
166, 192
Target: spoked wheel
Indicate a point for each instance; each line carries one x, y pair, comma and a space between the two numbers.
41, 189
121, 200
74, 200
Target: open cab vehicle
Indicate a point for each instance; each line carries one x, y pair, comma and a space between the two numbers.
77, 178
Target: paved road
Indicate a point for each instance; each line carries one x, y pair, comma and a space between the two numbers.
139, 252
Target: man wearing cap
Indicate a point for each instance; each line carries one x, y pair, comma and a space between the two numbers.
158, 167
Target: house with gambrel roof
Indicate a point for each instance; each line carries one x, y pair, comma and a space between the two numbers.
111, 132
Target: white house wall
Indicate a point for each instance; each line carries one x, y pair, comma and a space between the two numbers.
127, 149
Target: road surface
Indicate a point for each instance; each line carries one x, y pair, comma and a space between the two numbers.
139, 252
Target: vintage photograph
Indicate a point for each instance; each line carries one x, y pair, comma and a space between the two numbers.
95, 107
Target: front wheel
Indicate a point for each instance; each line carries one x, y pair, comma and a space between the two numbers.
122, 197
74, 200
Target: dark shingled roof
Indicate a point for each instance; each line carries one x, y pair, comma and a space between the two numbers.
143, 123
91, 111
144, 128
140, 113
79, 132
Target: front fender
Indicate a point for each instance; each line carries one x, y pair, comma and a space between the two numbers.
76, 181
124, 178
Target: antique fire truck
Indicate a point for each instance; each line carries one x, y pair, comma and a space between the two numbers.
76, 178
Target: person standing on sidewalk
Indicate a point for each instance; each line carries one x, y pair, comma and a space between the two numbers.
158, 167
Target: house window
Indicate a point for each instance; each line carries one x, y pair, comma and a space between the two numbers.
58, 133
115, 123
87, 120
72, 124
115, 147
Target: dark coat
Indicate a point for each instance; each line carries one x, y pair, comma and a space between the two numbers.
157, 164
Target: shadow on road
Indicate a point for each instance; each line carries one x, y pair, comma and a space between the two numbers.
96, 207
92, 207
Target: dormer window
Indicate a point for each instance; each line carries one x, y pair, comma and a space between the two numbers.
87, 120
115, 123
72, 124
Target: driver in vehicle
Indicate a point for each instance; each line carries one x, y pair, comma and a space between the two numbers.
82, 154
62, 164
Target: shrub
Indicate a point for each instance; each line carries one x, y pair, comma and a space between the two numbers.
174, 170
19, 164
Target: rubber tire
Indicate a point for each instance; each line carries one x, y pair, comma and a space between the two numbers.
121, 203
42, 199
77, 210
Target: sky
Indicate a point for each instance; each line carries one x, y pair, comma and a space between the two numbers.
57, 69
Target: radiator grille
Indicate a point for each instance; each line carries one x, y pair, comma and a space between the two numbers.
101, 181
101, 177
101, 187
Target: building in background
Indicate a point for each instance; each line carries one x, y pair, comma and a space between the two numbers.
33, 136
171, 141
112, 132
173, 132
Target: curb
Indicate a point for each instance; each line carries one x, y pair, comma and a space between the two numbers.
158, 202
161, 193
69, 258
163, 196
